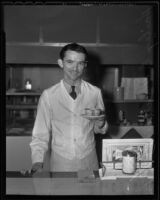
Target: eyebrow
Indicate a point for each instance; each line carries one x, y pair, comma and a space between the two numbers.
76, 60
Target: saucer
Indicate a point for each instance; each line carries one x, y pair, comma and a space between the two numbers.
92, 116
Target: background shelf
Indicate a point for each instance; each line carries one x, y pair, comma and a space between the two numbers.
21, 107
131, 101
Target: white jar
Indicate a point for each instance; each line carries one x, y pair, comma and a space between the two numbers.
129, 163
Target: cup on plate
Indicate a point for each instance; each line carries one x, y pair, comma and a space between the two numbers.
88, 111
97, 112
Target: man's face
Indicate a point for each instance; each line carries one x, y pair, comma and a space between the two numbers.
73, 65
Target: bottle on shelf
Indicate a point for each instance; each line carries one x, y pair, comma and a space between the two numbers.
122, 117
28, 84
141, 118
148, 118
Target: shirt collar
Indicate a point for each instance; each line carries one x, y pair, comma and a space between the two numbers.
68, 87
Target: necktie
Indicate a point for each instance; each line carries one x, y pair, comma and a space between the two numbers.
73, 93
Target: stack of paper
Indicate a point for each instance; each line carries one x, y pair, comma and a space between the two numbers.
134, 87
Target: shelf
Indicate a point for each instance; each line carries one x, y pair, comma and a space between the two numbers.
131, 101
23, 93
19, 132
132, 126
20, 107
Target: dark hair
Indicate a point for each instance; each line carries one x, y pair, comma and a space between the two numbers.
73, 47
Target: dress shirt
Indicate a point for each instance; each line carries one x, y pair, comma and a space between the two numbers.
59, 117
69, 89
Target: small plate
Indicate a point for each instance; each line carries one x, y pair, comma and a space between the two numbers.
92, 116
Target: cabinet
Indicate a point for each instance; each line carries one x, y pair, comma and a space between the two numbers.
129, 126
119, 33
21, 111
124, 113
18, 154
21, 104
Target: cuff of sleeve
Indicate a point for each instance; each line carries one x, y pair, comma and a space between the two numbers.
37, 158
103, 129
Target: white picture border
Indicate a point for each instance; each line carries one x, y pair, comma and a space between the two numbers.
111, 147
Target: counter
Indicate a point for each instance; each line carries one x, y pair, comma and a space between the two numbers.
67, 183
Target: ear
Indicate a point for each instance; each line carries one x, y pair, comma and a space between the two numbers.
60, 63
85, 65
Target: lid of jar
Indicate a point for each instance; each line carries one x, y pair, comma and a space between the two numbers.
129, 153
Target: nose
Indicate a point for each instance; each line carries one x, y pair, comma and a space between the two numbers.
75, 67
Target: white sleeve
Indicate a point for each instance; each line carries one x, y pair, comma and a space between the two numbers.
41, 130
100, 105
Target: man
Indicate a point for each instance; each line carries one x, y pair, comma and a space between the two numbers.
60, 115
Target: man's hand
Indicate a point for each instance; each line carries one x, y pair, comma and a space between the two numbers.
101, 125
100, 122
37, 167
